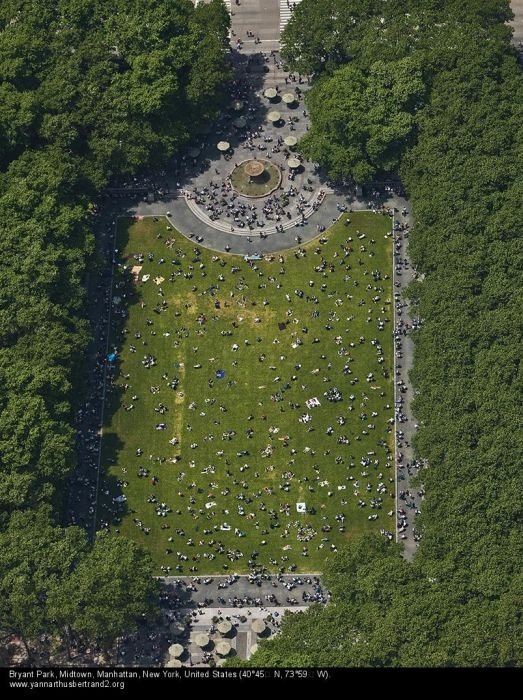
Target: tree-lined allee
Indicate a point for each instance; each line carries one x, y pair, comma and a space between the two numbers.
89, 90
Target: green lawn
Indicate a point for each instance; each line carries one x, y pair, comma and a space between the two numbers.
289, 350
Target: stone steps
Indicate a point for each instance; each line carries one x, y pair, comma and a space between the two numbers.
224, 226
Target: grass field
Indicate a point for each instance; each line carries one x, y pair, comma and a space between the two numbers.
225, 354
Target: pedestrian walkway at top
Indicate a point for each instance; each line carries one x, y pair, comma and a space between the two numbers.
286, 10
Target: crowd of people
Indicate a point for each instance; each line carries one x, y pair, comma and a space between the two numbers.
89, 417
368, 487
308, 588
255, 139
409, 499
220, 200
234, 468
185, 601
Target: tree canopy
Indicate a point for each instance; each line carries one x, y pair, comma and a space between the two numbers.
89, 90
362, 122
108, 592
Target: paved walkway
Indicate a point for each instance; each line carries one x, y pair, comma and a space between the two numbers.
273, 591
408, 497
242, 638
266, 230
261, 17
191, 226
517, 22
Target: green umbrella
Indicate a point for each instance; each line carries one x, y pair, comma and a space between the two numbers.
290, 140
288, 98
270, 93
274, 116
239, 123
293, 163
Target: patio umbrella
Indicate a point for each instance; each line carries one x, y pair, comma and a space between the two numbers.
223, 648
290, 140
174, 663
239, 123
223, 146
270, 93
293, 163
288, 98
224, 627
175, 650
258, 626
194, 152
201, 639
274, 116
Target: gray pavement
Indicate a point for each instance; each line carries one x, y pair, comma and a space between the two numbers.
262, 18
242, 638
239, 591
408, 497
517, 22
185, 221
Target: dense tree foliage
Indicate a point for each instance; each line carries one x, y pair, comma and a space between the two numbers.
34, 558
109, 590
387, 612
100, 88
361, 122
52, 582
116, 83
456, 604
89, 89
375, 69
